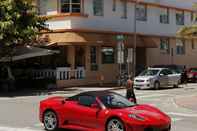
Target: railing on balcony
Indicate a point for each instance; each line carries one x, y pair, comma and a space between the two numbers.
60, 73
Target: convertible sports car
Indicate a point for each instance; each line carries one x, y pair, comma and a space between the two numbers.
101, 111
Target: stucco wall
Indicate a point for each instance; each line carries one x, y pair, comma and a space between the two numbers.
112, 21
108, 71
155, 56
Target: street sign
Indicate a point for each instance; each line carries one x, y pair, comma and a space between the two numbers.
120, 59
120, 37
120, 46
130, 55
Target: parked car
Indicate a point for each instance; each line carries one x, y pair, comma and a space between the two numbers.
101, 111
156, 78
192, 74
179, 69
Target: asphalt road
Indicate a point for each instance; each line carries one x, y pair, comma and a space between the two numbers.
19, 112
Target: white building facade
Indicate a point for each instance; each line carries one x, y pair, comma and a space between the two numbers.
86, 31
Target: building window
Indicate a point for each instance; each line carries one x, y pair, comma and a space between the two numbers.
70, 6
165, 45
141, 12
93, 58
98, 7
114, 5
180, 17
180, 47
108, 55
193, 17
124, 9
164, 16
193, 45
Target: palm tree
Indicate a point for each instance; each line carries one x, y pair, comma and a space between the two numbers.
191, 30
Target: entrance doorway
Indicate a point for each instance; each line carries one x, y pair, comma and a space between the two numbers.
79, 56
140, 60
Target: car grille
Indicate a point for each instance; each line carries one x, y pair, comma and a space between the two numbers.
139, 80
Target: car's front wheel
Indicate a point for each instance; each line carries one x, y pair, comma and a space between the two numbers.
115, 125
50, 121
156, 85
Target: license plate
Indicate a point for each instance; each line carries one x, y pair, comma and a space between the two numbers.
138, 85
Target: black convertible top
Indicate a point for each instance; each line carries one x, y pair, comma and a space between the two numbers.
91, 93
96, 93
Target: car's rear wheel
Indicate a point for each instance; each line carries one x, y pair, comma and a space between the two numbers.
177, 84
115, 125
156, 85
50, 121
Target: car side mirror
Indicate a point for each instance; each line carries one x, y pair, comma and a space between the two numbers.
161, 74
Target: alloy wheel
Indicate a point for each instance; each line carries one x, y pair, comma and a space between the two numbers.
115, 125
50, 121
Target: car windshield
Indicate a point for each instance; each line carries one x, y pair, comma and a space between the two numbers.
113, 100
149, 72
177, 70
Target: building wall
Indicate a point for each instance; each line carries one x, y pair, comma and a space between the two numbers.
109, 72
112, 21
155, 56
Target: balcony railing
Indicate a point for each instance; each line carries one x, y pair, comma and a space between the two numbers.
60, 73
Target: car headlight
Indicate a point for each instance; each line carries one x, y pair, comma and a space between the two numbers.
136, 117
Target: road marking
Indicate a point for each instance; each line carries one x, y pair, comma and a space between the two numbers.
155, 95
182, 114
38, 125
174, 103
174, 119
16, 129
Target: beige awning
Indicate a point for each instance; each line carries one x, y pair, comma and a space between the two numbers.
81, 38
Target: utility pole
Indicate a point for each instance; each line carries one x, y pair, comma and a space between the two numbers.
135, 39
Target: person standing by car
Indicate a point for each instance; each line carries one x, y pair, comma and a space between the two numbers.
130, 94
184, 76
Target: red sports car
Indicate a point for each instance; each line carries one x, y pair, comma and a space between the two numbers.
101, 111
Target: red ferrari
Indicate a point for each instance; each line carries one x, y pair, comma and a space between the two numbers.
101, 111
